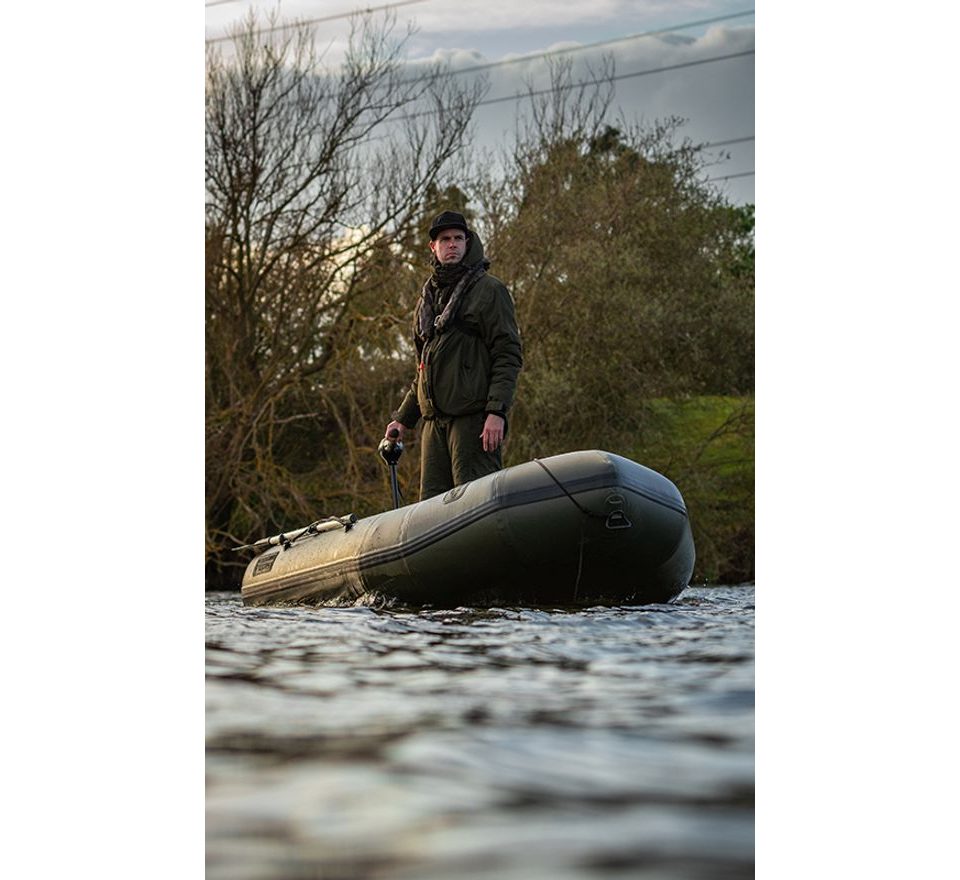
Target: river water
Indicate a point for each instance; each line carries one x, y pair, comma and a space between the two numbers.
503, 744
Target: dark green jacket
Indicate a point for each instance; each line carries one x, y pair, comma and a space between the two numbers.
473, 365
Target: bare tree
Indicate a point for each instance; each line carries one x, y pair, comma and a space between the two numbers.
310, 170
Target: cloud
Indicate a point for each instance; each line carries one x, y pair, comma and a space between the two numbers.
706, 80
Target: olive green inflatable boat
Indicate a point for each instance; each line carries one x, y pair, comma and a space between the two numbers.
582, 528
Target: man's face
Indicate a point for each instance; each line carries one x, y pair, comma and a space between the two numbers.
449, 246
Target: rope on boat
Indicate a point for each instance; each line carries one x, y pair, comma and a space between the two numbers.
563, 489
583, 537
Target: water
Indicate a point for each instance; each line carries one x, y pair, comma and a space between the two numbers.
506, 743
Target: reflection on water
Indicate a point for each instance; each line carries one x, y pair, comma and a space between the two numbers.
504, 743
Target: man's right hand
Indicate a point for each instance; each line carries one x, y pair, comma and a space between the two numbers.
394, 426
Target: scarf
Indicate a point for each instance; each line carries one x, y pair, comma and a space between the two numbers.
461, 277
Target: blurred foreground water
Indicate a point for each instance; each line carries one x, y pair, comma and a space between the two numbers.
513, 744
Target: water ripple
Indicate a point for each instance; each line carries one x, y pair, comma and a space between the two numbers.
382, 743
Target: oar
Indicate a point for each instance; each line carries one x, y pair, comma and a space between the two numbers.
287, 538
391, 448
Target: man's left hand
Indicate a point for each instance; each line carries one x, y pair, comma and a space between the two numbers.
492, 435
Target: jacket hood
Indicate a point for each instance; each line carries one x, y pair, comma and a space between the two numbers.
474, 252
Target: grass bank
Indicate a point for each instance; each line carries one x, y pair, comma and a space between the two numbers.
706, 446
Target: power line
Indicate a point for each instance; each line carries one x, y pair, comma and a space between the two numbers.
296, 24
665, 30
731, 176
550, 53
741, 140
592, 82
598, 81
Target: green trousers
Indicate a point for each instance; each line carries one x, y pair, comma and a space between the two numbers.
451, 453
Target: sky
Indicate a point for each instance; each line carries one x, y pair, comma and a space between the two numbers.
715, 98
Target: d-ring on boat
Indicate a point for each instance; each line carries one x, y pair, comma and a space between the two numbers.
581, 528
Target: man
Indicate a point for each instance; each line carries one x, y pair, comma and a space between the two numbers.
469, 352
